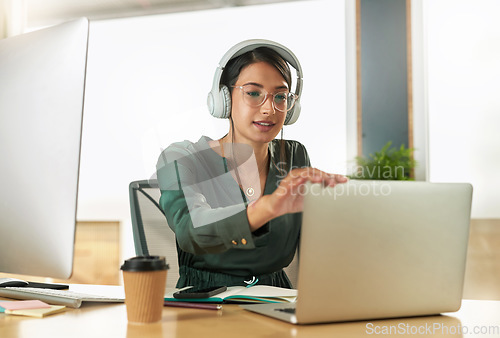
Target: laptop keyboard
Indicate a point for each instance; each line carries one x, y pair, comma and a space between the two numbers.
287, 310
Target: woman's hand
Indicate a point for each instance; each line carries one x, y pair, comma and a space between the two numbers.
289, 196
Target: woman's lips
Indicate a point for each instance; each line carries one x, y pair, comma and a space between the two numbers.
264, 125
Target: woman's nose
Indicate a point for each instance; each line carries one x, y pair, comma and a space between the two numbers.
268, 107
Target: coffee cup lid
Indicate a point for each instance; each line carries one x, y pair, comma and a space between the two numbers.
145, 263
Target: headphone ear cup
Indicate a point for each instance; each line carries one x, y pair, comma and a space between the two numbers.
293, 115
225, 96
219, 104
211, 104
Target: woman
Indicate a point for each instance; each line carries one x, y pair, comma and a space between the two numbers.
234, 203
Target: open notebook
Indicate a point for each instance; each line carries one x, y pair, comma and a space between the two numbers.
243, 294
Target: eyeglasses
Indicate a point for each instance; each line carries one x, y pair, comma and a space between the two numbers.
255, 96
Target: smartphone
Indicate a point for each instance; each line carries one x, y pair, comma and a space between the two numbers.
193, 292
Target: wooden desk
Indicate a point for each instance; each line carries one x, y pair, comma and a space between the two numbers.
98, 320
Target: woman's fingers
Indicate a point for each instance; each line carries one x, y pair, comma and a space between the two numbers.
335, 179
289, 195
293, 184
300, 176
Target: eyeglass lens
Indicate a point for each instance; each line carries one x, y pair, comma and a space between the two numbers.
255, 96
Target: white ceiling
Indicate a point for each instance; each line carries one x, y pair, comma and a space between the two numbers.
49, 12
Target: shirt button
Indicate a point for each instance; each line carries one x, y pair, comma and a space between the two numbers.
234, 242
244, 241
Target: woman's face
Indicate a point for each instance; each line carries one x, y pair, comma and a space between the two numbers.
254, 125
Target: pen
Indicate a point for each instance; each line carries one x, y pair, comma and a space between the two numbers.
193, 305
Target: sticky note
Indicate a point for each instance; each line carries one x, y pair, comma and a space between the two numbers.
24, 304
39, 313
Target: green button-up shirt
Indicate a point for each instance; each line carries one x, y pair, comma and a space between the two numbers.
206, 209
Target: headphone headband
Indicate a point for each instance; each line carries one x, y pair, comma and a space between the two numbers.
248, 45
219, 99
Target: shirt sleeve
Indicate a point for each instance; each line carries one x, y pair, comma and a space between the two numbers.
199, 227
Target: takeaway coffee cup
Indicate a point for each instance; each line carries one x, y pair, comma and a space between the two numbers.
144, 278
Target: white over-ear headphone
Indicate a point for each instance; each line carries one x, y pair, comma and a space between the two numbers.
219, 98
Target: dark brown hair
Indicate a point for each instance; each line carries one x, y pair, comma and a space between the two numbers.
262, 54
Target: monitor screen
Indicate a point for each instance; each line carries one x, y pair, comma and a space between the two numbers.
42, 84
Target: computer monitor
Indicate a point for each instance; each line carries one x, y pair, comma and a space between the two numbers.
42, 84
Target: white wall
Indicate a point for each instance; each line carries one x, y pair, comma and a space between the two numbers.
148, 79
147, 85
12, 18
419, 87
463, 62
351, 86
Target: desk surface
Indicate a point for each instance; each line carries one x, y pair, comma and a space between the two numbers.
110, 320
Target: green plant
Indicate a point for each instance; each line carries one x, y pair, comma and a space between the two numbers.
386, 164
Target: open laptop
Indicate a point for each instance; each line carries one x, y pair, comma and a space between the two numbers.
379, 249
